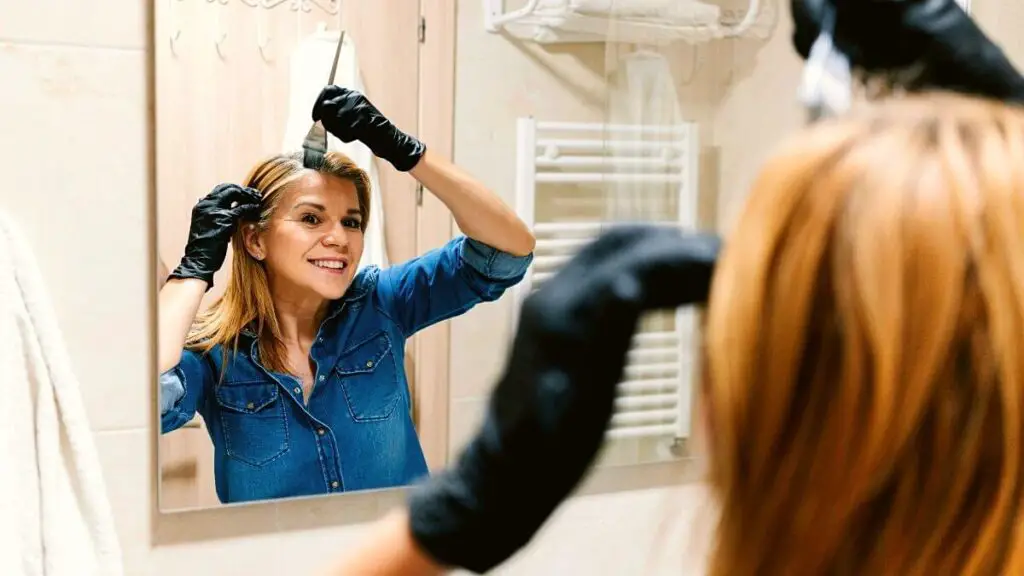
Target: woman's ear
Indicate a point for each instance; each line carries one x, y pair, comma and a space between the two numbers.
253, 242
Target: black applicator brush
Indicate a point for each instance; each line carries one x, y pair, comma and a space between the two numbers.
314, 147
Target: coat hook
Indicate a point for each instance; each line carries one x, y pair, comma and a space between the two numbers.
172, 15
262, 41
174, 40
219, 42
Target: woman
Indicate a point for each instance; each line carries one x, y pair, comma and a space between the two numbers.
298, 368
863, 393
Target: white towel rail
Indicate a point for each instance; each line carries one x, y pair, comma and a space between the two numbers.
654, 396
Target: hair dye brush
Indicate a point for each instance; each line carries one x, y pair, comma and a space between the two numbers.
314, 147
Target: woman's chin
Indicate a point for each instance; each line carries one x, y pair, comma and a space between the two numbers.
333, 290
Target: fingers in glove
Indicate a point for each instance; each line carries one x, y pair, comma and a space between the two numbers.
247, 212
227, 196
677, 271
652, 267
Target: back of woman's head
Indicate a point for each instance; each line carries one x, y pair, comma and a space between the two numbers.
865, 388
246, 301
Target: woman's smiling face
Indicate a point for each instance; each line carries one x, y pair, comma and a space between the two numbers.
313, 241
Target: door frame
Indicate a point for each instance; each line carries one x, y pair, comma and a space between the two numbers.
432, 347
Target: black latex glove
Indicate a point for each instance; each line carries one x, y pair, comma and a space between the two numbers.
547, 418
934, 38
214, 220
351, 116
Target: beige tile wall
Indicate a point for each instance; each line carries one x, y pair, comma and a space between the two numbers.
73, 144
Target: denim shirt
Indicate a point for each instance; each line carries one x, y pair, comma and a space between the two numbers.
356, 432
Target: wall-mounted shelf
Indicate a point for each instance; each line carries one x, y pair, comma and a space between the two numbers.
565, 21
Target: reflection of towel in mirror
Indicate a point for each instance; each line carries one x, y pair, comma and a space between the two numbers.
643, 93
310, 66
55, 518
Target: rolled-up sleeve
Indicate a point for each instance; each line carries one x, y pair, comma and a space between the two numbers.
494, 264
172, 390
447, 281
182, 390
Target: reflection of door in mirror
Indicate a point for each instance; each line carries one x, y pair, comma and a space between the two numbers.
225, 98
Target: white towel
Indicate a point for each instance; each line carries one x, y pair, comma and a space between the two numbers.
55, 518
643, 93
675, 12
310, 65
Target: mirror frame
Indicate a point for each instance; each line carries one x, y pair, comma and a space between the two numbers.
430, 348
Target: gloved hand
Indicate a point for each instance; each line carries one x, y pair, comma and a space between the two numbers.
214, 220
935, 38
547, 417
351, 116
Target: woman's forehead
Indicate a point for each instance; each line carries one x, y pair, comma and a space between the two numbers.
330, 191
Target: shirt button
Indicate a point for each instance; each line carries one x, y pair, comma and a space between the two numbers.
250, 405
334, 484
369, 363
321, 340
321, 378
298, 390
320, 431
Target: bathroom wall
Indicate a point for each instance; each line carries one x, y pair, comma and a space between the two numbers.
78, 169
79, 176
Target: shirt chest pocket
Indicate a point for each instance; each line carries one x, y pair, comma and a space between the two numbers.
369, 379
253, 421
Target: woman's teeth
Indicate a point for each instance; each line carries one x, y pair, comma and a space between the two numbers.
329, 264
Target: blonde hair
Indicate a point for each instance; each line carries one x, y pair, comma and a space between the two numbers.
246, 301
865, 386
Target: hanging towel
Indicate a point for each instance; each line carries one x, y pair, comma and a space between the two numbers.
55, 519
310, 64
643, 93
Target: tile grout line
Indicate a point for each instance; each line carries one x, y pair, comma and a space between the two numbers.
61, 44
126, 430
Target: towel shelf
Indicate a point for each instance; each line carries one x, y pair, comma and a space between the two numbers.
559, 21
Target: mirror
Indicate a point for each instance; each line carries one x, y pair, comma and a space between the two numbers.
577, 114
293, 375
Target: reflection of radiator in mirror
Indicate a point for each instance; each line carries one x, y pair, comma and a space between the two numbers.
572, 180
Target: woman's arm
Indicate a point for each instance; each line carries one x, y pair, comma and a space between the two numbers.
388, 550
482, 216
478, 211
178, 304
214, 220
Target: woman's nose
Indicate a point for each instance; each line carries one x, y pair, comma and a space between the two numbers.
336, 237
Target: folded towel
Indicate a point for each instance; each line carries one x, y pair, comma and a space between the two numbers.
677, 12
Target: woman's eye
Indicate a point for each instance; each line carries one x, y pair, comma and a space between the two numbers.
351, 223
310, 219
